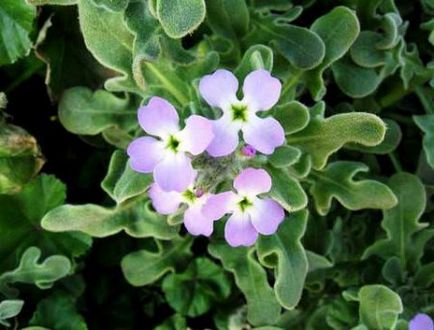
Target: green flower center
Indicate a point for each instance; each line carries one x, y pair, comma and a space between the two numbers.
189, 196
244, 204
172, 143
239, 112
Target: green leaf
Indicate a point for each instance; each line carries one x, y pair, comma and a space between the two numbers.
251, 279
256, 57
175, 322
426, 124
284, 253
16, 23
121, 182
286, 190
323, 137
405, 237
180, 17
110, 42
135, 217
379, 307
145, 267
20, 158
285, 156
53, 2
9, 309
194, 291
337, 181
229, 18
114, 5
59, 312
30, 271
84, 112
293, 116
338, 29
20, 222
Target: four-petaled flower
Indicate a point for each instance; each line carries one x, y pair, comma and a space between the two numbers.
167, 156
261, 93
421, 322
250, 214
169, 202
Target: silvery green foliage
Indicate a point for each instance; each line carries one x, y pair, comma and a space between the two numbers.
355, 174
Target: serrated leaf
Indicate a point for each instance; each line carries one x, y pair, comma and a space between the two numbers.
121, 182
16, 23
405, 237
9, 309
251, 279
145, 267
338, 29
337, 181
20, 158
284, 253
20, 222
194, 291
58, 311
379, 307
426, 124
323, 137
30, 271
135, 217
180, 17
84, 112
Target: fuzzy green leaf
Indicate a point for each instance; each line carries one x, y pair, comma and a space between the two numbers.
256, 57
337, 181
16, 23
145, 267
180, 17
379, 307
284, 253
293, 116
9, 309
338, 29
121, 182
426, 124
251, 279
229, 18
405, 237
323, 137
194, 291
285, 156
114, 5
53, 2
31, 271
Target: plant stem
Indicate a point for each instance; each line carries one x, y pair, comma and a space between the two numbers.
395, 162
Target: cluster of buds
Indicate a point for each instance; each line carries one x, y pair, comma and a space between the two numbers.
187, 163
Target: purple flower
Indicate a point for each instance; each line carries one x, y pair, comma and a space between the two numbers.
166, 156
194, 220
250, 214
421, 322
261, 92
248, 151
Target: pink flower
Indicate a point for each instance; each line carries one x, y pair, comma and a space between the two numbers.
261, 93
167, 156
250, 214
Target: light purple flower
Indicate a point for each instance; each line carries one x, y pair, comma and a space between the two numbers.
166, 156
261, 93
194, 220
250, 214
248, 151
421, 322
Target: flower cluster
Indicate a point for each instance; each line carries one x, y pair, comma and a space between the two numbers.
168, 153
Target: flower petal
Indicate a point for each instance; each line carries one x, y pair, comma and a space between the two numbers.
264, 134
261, 90
252, 182
218, 205
266, 216
159, 117
145, 153
197, 135
196, 222
164, 202
421, 322
174, 173
225, 137
219, 89
239, 231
